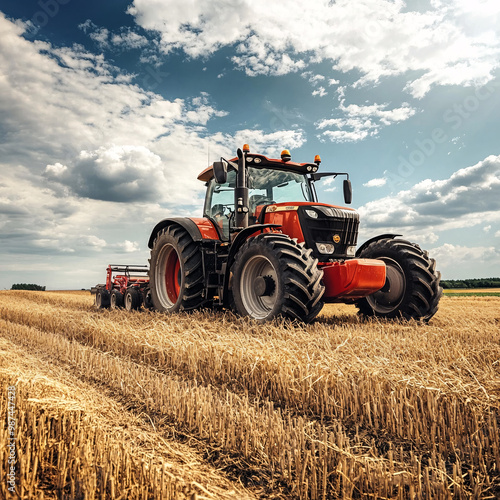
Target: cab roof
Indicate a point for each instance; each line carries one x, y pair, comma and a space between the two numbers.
261, 161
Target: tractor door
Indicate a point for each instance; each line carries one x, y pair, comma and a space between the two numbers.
219, 203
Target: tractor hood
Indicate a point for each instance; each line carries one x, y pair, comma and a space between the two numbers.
329, 230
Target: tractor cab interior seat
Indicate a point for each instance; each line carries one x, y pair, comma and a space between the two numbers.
253, 202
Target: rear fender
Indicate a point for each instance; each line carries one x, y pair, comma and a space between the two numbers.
198, 229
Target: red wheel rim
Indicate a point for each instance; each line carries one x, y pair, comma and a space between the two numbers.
173, 276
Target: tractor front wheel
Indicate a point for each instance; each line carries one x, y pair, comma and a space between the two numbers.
176, 272
411, 290
274, 275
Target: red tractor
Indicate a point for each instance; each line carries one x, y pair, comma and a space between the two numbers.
266, 247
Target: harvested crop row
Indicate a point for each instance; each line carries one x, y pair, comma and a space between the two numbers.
367, 393
449, 361
72, 300
77, 459
50, 393
313, 463
288, 363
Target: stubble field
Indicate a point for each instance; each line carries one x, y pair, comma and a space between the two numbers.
110, 404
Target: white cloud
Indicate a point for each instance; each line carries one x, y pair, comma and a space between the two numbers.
90, 160
115, 173
312, 78
379, 111
129, 39
487, 229
468, 198
357, 133
98, 34
378, 182
56, 170
128, 246
269, 144
93, 242
451, 257
360, 122
425, 237
91, 132
259, 58
497, 234
320, 91
379, 38
124, 39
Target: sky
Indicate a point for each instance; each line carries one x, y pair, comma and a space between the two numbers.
110, 110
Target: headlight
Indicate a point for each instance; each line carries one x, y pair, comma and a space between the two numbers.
351, 251
312, 214
325, 248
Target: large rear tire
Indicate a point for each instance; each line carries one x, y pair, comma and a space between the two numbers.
411, 290
274, 276
176, 272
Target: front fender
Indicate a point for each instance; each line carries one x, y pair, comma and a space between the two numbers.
375, 238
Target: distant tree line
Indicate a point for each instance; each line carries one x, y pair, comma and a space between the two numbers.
28, 286
472, 283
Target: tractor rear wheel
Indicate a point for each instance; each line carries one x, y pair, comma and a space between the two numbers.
102, 298
116, 300
411, 289
176, 272
274, 275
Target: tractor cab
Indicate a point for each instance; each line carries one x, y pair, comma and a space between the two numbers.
280, 192
266, 187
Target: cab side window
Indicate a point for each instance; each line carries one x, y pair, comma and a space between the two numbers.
220, 203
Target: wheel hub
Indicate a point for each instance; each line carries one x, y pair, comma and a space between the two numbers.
258, 286
388, 298
264, 286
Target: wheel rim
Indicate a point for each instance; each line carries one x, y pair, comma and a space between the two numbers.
388, 298
113, 301
98, 299
258, 287
129, 300
168, 276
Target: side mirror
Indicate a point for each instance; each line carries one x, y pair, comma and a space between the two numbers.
220, 172
347, 191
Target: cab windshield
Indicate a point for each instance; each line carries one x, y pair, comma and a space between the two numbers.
266, 186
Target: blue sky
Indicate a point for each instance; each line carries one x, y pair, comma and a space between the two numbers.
108, 111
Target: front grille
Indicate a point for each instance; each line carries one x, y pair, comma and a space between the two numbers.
331, 221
